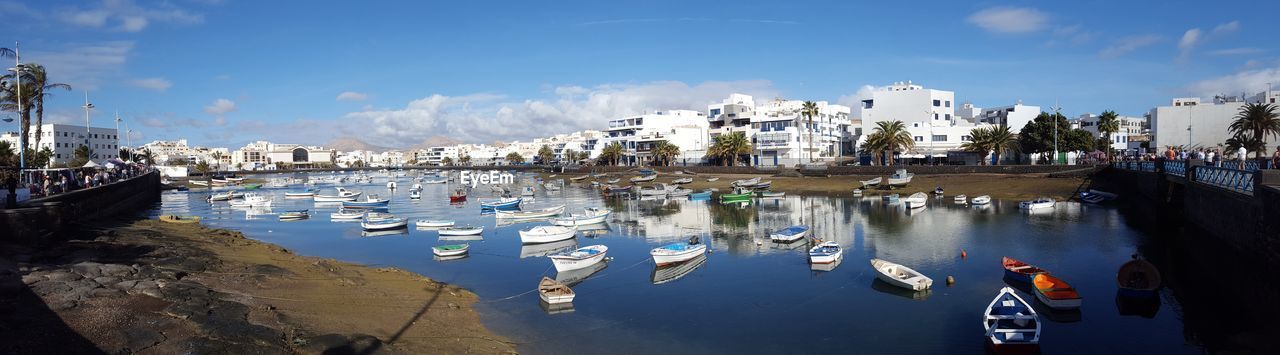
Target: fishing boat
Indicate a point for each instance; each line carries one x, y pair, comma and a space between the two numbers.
540, 213
713, 179
252, 186
872, 182
579, 258
901, 276
789, 234
678, 252
526, 191
346, 214
504, 203
700, 195
370, 201
739, 195
294, 215
644, 178
672, 272
300, 194
433, 223
981, 200
371, 224
234, 179
580, 178
1138, 278
916, 200
218, 182
458, 195
462, 230
1038, 203
746, 182
554, 292
1096, 196
577, 276
1020, 271
172, 218
900, 178
1055, 293
825, 253
230, 195
552, 186
681, 181
252, 200
1011, 325
343, 195
961, 199
415, 195
546, 234
451, 249
679, 192
612, 181
938, 191
772, 194
590, 215
658, 189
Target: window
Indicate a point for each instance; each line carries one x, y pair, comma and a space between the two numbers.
919, 138
935, 116
937, 103
939, 138
714, 112
948, 103
965, 138
948, 117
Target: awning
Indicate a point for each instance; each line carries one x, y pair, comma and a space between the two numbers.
90, 164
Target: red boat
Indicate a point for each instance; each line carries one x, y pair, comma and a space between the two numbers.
458, 196
1020, 271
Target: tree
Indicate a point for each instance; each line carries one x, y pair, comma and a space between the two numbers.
1108, 123
203, 168
148, 156
81, 156
1077, 140
9, 102
1002, 140
39, 159
1253, 124
515, 158
545, 154
465, 160
728, 147
665, 152
124, 154
611, 153
808, 110
175, 161
7, 158
1037, 136
889, 137
40, 82
217, 159
447, 161
980, 142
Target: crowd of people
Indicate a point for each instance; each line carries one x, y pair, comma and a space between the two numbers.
46, 182
1210, 156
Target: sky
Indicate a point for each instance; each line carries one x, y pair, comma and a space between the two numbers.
400, 73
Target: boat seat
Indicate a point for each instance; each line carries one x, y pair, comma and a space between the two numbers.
1014, 316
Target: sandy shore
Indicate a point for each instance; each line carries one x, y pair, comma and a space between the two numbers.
155, 287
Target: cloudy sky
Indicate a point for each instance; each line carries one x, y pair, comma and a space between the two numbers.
395, 73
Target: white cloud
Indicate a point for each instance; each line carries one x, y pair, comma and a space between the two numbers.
220, 107
854, 100
1128, 44
83, 65
352, 96
1009, 20
1237, 51
1188, 42
1247, 81
1227, 27
157, 84
126, 15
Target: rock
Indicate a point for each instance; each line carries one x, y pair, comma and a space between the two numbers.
88, 269
124, 285
453, 305
62, 276
342, 344
950, 280
142, 337
117, 270
106, 281
153, 292
31, 279
104, 292
146, 284
50, 287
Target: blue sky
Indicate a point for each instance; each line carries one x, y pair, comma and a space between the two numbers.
398, 73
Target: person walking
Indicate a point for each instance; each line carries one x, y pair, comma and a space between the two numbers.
1240, 154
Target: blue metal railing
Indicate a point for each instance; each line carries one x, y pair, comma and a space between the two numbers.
1231, 179
1175, 167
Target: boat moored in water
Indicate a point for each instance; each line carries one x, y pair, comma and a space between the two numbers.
579, 258
1011, 325
901, 276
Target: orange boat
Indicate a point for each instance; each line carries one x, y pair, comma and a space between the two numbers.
1020, 271
1055, 293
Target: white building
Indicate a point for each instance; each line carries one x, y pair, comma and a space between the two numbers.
263, 155
63, 139
783, 136
1190, 122
164, 150
932, 120
1130, 127
437, 155
639, 134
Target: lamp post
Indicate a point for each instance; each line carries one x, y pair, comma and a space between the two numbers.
117, 133
87, 107
929, 121
17, 70
1056, 112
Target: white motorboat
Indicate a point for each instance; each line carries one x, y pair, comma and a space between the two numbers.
790, 234
713, 179
900, 178
961, 199
579, 258
252, 200
463, 230
540, 213
612, 181
645, 178
415, 195
370, 224
678, 252
772, 194
345, 214
981, 200
199, 182
900, 276
825, 253
433, 223
590, 215
343, 195
916, 200
1096, 196
1011, 324
230, 195
580, 178
300, 194
857, 192
679, 192
872, 182
672, 272
554, 292
546, 234
658, 189
1039, 203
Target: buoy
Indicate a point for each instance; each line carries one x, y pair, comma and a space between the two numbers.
963, 254
950, 280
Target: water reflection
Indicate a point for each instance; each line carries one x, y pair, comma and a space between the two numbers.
576, 276
544, 249
884, 287
669, 273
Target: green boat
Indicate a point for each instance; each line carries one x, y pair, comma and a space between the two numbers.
252, 187
738, 195
451, 249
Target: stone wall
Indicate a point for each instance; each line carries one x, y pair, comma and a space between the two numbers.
37, 218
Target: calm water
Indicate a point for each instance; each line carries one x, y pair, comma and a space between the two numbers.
750, 295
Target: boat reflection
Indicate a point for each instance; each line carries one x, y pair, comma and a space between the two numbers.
462, 237
1054, 315
506, 222
1145, 307
384, 233
594, 229
577, 276
671, 273
825, 267
556, 308
544, 249
884, 287
449, 258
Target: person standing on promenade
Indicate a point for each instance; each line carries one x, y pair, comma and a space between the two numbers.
1169, 154
1240, 154
1275, 158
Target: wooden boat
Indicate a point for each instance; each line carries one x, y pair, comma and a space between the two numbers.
612, 181
738, 195
1038, 203
746, 182
546, 234
343, 195
252, 186
1055, 293
451, 249
825, 253
713, 179
939, 191
1096, 196
701, 195
252, 200
678, 252
789, 234
981, 200
772, 194
645, 178
763, 185
1020, 271
580, 178
961, 199
346, 214
872, 182
458, 196
234, 179
199, 182
383, 224
1011, 325
591, 215
681, 181
916, 200
658, 189
541, 213
579, 258
172, 218
433, 223
900, 178
505, 203
554, 292
463, 230
294, 215
901, 276
1138, 278
230, 195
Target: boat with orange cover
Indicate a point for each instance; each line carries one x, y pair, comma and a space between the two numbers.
1020, 271
1055, 293
1138, 278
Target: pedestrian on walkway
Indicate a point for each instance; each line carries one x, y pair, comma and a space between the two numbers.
1240, 154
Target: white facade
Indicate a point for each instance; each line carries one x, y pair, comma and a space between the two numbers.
1130, 127
638, 134
164, 150
783, 136
1013, 116
929, 115
63, 139
263, 155
1190, 122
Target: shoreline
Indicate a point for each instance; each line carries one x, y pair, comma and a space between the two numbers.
161, 287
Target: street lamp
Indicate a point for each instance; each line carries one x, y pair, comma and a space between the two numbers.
1056, 112
87, 107
17, 70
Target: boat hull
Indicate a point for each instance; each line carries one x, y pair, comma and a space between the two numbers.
546, 235
670, 258
1059, 304
564, 263
461, 231
450, 252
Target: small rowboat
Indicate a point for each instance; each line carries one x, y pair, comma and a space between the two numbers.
771, 194
981, 200
746, 182
591, 215
300, 194
1039, 203
180, 219
1020, 271
345, 214
1011, 324
825, 253
554, 292
542, 213
199, 182
463, 230
763, 185
500, 204
1096, 196
916, 200
226, 197
872, 182
645, 178
900, 178
546, 234
679, 192
433, 223
939, 191
738, 195
294, 215
701, 195
451, 249
370, 201
857, 192
580, 178
961, 199
681, 181
1138, 278
713, 179
678, 252
612, 181
252, 187
383, 224
1055, 293
580, 258
789, 234
415, 195
901, 276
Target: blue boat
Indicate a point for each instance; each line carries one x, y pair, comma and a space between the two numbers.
647, 172
789, 234
371, 201
509, 203
700, 196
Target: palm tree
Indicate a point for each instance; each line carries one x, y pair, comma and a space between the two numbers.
203, 168
1254, 123
515, 158
545, 154
217, 159
465, 159
1108, 123
611, 153
447, 161
990, 140
40, 82
9, 102
6, 153
1002, 140
729, 146
980, 142
889, 137
665, 152
808, 110
569, 156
